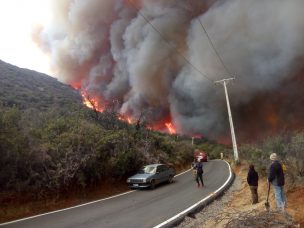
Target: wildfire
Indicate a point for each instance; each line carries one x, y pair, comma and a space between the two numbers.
94, 104
91, 103
126, 119
170, 128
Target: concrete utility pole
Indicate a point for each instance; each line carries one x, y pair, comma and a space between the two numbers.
235, 150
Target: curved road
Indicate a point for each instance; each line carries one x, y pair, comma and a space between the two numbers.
141, 208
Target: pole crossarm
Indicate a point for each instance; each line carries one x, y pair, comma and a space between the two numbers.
224, 80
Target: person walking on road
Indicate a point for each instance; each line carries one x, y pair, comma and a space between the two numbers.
277, 179
199, 173
252, 180
193, 167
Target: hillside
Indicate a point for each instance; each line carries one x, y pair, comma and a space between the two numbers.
29, 89
53, 149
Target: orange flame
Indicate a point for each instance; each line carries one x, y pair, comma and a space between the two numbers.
170, 128
94, 103
91, 103
126, 119
129, 120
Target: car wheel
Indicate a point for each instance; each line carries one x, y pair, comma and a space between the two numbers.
170, 180
153, 184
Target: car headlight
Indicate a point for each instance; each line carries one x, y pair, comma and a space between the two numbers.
128, 180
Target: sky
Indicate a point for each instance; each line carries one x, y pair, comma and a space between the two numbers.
17, 20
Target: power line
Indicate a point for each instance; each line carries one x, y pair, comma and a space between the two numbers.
224, 82
213, 47
168, 42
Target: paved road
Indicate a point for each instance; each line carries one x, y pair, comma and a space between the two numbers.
141, 208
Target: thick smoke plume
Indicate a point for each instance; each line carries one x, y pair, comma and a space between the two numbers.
153, 58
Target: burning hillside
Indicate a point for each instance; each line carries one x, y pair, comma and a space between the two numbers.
153, 58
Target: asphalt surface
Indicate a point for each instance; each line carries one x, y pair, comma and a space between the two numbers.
140, 208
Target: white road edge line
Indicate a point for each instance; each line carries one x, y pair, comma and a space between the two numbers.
198, 203
65, 209
80, 205
182, 173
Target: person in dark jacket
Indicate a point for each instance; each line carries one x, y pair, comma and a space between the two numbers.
277, 179
193, 166
199, 173
252, 180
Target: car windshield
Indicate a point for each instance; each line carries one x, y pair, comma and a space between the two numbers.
148, 169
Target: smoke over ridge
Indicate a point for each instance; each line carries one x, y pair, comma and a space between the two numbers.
109, 49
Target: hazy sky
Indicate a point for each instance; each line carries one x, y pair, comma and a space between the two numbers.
17, 19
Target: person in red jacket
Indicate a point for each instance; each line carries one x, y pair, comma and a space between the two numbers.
252, 180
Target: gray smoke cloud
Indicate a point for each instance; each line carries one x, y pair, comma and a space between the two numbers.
110, 50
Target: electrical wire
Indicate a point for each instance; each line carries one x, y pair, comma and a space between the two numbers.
168, 42
213, 47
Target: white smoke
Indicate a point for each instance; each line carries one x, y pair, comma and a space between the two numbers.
134, 52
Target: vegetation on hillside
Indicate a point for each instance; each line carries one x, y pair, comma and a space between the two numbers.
51, 144
290, 148
47, 152
27, 89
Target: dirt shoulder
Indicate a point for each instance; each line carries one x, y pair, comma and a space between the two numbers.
14, 207
234, 208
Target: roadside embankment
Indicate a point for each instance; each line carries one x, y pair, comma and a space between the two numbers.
234, 208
